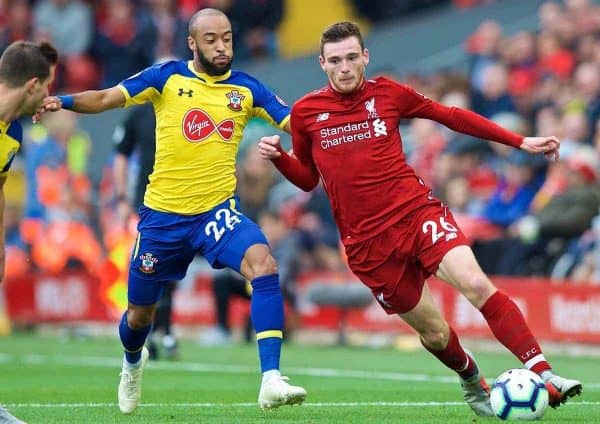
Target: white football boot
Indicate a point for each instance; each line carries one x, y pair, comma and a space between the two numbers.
130, 386
476, 392
275, 391
561, 389
7, 418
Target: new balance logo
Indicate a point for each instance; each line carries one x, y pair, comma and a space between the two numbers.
380, 128
382, 300
323, 117
181, 92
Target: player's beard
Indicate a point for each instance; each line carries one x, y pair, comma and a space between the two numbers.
210, 68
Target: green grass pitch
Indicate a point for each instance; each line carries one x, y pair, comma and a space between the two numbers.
54, 380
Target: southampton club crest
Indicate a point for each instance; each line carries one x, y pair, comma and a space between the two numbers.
148, 262
235, 100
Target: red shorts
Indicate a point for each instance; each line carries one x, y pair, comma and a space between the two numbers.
395, 263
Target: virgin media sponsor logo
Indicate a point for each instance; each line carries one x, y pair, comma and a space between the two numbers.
198, 126
575, 315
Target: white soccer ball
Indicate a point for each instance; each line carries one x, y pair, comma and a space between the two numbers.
519, 394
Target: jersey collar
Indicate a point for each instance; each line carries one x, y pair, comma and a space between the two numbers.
206, 77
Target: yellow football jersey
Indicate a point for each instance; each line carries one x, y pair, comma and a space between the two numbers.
200, 121
11, 135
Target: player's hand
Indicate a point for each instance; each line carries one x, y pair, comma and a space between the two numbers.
548, 146
268, 147
49, 104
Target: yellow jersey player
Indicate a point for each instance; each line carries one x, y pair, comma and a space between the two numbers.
26, 72
201, 109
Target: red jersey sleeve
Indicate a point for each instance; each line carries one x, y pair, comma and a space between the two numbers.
298, 167
416, 105
300, 140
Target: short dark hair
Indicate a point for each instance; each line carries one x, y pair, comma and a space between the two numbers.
23, 60
340, 31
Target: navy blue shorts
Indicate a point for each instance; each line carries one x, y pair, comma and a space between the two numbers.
167, 243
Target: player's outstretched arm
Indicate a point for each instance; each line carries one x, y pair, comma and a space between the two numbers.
549, 146
92, 101
300, 174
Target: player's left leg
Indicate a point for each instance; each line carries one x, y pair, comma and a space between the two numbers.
243, 247
267, 317
460, 268
133, 329
161, 254
441, 340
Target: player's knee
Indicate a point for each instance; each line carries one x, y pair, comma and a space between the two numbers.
138, 318
265, 265
478, 288
435, 338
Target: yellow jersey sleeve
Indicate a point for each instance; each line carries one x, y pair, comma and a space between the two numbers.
11, 136
147, 85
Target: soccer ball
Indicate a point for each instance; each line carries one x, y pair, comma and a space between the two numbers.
519, 394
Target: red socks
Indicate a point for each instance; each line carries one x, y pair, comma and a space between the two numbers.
508, 325
454, 357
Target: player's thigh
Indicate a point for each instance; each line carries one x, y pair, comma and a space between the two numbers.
395, 280
426, 317
460, 269
161, 254
228, 235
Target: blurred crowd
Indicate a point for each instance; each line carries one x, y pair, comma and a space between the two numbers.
102, 42
524, 215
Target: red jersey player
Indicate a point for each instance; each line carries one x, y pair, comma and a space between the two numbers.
395, 232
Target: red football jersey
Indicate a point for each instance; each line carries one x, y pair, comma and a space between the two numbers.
354, 143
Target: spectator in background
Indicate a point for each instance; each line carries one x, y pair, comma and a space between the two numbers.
537, 239
522, 177
171, 27
254, 27
67, 23
54, 151
18, 23
58, 196
493, 97
484, 49
554, 58
587, 85
124, 42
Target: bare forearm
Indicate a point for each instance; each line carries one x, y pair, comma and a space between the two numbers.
96, 101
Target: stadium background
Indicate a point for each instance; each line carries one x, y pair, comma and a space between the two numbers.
531, 66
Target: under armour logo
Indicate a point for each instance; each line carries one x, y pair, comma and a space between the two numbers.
380, 128
181, 92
